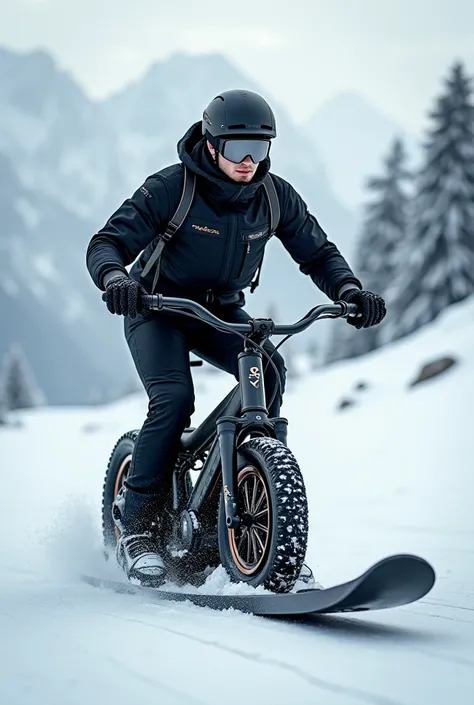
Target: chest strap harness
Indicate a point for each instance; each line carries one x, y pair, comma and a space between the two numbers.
179, 216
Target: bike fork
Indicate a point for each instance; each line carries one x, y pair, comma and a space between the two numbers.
254, 417
226, 432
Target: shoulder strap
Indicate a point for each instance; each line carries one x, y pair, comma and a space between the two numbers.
273, 202
274, 206
187, 196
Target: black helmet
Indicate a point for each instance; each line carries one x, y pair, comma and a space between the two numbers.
238, 123
239, 114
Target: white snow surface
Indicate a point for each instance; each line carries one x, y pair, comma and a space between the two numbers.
394, 473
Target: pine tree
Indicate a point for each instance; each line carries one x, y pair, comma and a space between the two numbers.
20, 387
436, 267
383, 234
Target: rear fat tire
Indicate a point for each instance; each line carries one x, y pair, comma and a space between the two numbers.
288, 535
118, 463
121, 454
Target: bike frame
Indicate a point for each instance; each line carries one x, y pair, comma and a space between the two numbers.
242, 412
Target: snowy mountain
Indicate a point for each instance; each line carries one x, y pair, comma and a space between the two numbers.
391, 473
67, 162
352, 136
46, 302
53, 134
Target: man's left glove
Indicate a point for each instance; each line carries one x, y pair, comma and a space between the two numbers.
371, 307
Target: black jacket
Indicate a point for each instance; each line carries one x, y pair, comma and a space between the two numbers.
220, 244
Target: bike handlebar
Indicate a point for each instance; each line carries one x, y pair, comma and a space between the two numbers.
339, 309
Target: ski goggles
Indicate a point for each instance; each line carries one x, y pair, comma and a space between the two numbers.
236, 150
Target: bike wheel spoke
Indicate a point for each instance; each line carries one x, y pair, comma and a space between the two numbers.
260, 499
258, 514
254, 545
254, 494
246, 497
257, 536
261, 527
242, 537
251, 541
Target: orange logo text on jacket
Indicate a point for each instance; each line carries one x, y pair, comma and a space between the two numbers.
205, 229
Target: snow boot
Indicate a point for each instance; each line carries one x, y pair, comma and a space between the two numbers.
136, 550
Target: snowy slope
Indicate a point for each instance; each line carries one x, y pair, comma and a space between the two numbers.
394, 473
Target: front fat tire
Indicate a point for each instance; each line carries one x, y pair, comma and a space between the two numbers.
288, 536
117, 469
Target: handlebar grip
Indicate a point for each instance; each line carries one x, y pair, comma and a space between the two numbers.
154, 301
352, 309
348, 309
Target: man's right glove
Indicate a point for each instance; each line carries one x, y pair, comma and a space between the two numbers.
371, 307
122, 296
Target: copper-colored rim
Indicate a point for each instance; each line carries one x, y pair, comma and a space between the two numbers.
249, 543
121, 475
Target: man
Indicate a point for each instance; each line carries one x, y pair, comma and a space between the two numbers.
211, 259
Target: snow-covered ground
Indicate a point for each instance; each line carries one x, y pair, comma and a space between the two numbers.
393, 473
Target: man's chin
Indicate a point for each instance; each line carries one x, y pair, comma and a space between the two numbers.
245, 178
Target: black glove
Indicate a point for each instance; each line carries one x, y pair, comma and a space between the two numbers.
122, 296
371, 307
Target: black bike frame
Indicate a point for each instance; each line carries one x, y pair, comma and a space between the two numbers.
242, 412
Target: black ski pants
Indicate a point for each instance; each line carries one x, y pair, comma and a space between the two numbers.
160, 347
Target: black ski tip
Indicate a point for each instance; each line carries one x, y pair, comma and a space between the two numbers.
411, 568
391, 582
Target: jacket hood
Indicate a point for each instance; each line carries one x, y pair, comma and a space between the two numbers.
194, 154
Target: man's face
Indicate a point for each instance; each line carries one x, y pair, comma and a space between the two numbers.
243, 172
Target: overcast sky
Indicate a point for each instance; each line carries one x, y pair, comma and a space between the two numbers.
302, 52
